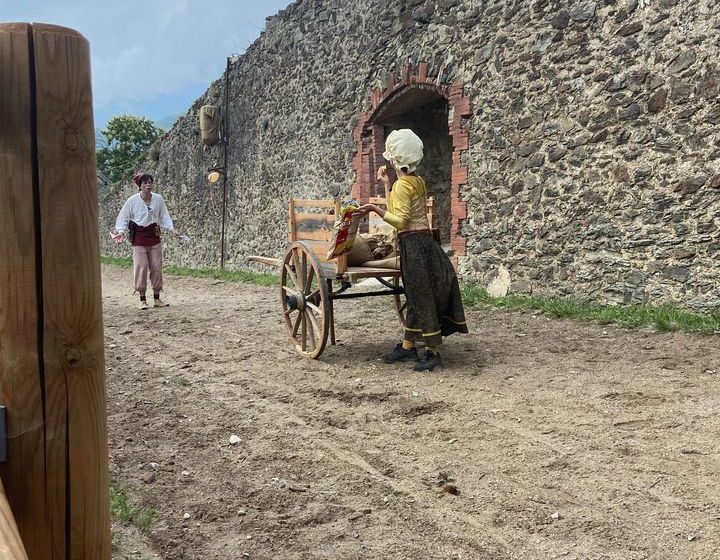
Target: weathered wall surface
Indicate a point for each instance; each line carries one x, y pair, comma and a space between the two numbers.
595, 142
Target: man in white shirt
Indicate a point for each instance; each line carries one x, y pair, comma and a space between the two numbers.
141, 218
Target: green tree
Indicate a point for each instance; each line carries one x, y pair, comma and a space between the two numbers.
123, 143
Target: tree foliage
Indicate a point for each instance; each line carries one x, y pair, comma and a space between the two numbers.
123, 143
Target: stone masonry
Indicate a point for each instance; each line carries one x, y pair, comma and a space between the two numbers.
592, 157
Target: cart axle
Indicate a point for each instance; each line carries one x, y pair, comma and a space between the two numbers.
291, 302
337, 295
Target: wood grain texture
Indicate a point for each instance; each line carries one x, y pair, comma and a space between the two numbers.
11, 546
291, 220
318, 248
313, 235
20, 370
51, 336
73, 331
314, 203
314, 221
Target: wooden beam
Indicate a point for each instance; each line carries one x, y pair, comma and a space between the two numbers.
312, 203
355, 273
73, 346
270, 261
11, 546
21, 375
52, 372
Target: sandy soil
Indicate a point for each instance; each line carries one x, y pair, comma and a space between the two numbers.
563, 439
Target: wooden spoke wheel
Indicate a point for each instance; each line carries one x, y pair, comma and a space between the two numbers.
400, 301
305, 300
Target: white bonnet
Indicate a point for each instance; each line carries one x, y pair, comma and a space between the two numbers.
403, 148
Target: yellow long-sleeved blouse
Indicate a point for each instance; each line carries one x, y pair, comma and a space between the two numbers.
407, 204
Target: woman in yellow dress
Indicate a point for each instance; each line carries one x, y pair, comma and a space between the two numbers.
434, 306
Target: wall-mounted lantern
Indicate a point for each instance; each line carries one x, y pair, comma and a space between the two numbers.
214, 174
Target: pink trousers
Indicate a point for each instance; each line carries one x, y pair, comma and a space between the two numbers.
147, 259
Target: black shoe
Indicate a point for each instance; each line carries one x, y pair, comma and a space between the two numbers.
399, 354
428, 362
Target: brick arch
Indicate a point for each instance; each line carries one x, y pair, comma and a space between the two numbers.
369, 140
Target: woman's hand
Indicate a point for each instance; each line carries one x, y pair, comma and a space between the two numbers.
176, 233
382, 174
367, 208
117, 237
363, 210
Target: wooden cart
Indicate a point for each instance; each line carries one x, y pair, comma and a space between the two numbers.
308, 280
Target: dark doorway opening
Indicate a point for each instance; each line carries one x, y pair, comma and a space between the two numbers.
438, 113
430, 123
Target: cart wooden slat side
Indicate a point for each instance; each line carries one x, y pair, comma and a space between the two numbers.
307, 275
352, 273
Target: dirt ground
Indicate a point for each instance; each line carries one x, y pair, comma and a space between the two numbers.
563, 439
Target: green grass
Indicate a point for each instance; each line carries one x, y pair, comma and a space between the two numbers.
115, 261
665, 318
144, 520
123, 511
182, 381
247, 276
120, 508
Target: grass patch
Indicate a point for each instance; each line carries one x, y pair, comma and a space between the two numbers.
182, 381
144, 520
664, 318
246, 276
122, 262
120, 508
122, 511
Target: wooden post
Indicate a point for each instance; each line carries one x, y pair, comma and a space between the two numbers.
291, 222
11, 547
52, 362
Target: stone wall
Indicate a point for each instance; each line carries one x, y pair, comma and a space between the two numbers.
593, 161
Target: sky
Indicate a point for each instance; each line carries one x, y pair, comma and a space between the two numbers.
152, 58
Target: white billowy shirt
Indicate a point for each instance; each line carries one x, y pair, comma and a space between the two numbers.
143, 214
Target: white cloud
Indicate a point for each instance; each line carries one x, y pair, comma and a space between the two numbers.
142, 50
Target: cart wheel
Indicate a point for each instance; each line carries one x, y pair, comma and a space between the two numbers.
400, 301
305, 300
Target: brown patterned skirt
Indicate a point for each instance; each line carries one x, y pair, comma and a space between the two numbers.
434, 305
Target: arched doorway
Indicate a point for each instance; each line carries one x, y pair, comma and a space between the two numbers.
435, 113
